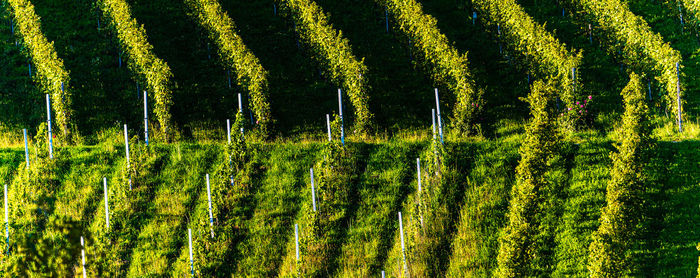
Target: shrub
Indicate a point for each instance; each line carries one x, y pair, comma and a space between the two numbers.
608, 252
517, 242
321, 232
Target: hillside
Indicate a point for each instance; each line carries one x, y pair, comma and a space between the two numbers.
547, 110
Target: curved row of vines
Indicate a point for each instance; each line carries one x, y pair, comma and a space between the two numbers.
543, 54
449, 68
143, 62
334, 51
641, 48
53, 76
236, 56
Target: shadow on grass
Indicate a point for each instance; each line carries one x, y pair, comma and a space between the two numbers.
670, 230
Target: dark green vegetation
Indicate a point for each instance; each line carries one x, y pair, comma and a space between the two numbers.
462, 221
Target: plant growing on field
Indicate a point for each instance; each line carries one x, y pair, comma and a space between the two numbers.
542, 52
334, 51
232, 204
579, 112
320, 237
49, 257
448, 67
31, 204
640, 47
426, 219
52, 74
608, 252
517, 242
143, 61
236, 56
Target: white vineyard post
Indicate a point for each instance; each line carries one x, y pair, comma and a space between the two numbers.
106, 204
145, 115
7, 224
403, 246
138, 91
680, 15
313, 190
128, 156
211, 216
328, 124
386, 18
420, 190
82, 252
48, 120
439, 116
678, 97
500, 47
26, 147
189, 237
228, 130
126, 146
474, 18
296, 239
240, 107
342, 123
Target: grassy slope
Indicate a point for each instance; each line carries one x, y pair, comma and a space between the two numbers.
666, 249
162, 237
475, 244
389, 177
277, 202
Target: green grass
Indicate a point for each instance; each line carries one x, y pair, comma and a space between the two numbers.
149, 223
148, 234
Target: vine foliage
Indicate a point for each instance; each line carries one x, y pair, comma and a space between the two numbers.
543, 54
236, 56
144, 62
608, 255
640, 47
334, 51
52, 74
517, 243
449, 68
